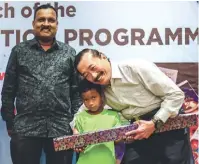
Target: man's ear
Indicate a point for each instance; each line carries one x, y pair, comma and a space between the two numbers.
33, 23
103, 56
57, 25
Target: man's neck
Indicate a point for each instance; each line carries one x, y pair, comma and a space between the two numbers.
46, 45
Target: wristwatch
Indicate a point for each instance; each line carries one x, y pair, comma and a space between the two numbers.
158, 123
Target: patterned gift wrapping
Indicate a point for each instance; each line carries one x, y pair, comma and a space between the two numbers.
179, 122
67, 142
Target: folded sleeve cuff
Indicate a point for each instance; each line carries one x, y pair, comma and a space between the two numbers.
163, 115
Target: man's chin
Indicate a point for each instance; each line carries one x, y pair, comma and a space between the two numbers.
45, 38
102, 83
98, 82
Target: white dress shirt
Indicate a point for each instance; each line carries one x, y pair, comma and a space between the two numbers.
138, 87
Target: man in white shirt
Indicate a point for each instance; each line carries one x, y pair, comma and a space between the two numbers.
138, 89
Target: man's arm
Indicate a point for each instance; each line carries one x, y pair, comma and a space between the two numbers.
9, 90
154, 80
161, 86
76, 101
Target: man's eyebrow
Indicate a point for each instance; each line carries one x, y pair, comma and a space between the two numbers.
83, 74
89, 66
42, 17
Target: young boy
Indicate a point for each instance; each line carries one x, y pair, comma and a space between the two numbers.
96, 118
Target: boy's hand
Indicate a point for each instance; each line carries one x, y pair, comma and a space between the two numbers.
75, 131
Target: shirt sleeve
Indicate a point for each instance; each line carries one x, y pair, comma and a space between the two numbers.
162, 86
72, 123
8, 93
78, 124
76, 101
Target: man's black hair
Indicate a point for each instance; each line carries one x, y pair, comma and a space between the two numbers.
45, 6
79, 56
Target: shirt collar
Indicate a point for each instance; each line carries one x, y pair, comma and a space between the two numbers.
34, 42
115, 71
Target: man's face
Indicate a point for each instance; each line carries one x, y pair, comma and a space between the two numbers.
94, 69
45, 24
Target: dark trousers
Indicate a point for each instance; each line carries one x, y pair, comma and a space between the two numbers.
27, 150
171, 147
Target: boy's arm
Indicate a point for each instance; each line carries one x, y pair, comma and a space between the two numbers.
76, 130
77, 125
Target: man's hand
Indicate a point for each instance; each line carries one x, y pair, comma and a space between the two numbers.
9, 132
144, 131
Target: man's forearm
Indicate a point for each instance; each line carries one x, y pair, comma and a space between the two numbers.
8, 116
170, 106
76, 102
9, 89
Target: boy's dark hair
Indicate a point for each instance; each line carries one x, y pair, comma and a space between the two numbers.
45, 6
79, 56
86, 85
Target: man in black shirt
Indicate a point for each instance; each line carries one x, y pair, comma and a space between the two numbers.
41, 79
